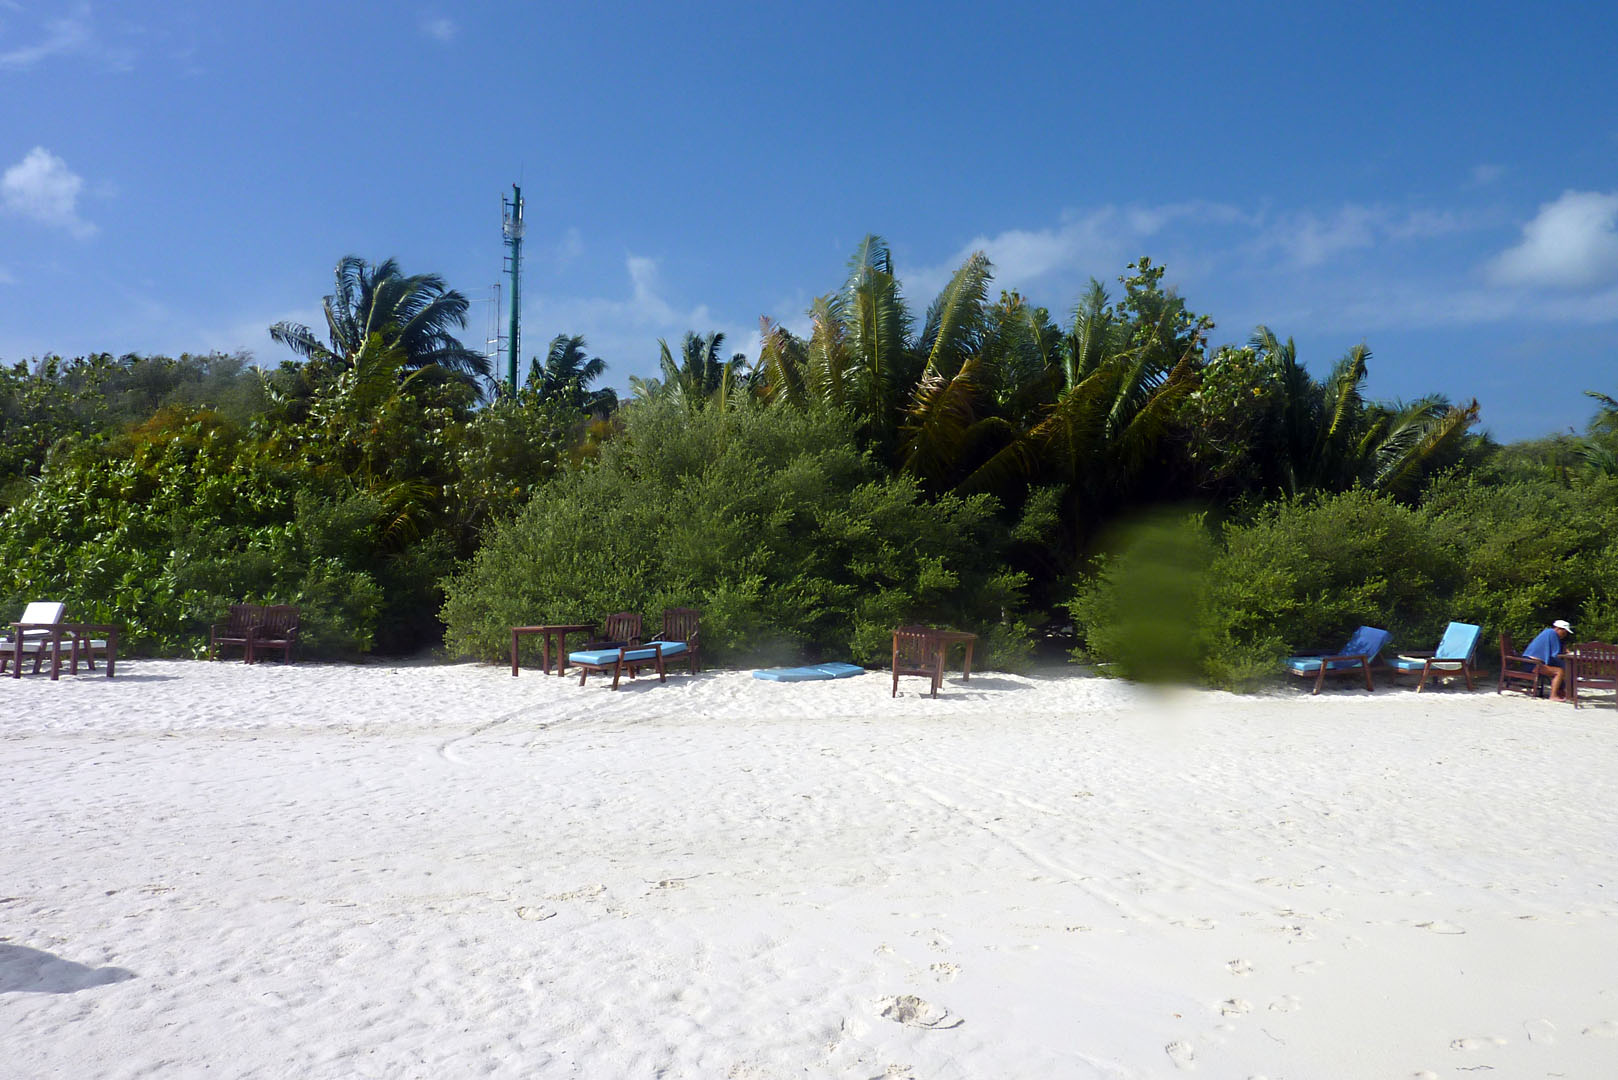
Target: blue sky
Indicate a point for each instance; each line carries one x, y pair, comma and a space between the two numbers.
1438, 181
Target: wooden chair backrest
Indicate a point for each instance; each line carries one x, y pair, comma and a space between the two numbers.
1596, 654
914, 648
43, 611
622, 626
680, 624
279, 621
242, 618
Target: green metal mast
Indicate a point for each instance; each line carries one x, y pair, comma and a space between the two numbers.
512, 227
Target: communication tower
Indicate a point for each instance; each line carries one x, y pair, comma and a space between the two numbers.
511, 227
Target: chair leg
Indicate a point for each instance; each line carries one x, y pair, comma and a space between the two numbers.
1466, 669
1368, 684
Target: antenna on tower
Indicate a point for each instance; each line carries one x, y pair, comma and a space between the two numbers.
511, 227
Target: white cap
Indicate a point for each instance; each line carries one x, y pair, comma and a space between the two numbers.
1563, 624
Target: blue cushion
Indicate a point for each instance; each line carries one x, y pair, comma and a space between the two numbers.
1367, 641
600, 657
812, 673
1312, 664
1460, 641
670, 648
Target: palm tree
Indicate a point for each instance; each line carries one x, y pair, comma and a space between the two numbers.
413, 316
567, 373
1326, 437
701, 374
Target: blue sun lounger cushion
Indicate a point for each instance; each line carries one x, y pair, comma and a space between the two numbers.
811, 673
670, 648
1454, 655
1460, 642
608, 656
1367, 641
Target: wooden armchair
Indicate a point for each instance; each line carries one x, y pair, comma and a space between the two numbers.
681, 636
236, 630
619, 628
1516, 668
1594, 666
917, 651
277, 630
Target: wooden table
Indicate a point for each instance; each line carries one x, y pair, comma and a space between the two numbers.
555, 631
947, 638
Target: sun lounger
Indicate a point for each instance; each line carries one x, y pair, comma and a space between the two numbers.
617, 658
1357, 656
1454, 656
38, 631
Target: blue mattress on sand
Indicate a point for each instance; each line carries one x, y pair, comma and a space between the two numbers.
808, 674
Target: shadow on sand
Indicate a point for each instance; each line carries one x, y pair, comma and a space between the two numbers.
25, 970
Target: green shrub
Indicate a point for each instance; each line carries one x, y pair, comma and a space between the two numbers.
1532, 550
788, 539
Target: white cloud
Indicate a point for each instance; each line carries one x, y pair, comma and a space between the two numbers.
624, 331
1483, 175
1097, 243
43, 188
1571, 243
64, 35
440, 29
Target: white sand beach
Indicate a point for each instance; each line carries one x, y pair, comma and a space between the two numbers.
441, 871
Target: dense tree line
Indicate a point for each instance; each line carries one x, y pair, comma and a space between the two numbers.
984, 464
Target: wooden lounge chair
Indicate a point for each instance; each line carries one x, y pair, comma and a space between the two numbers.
1359, 655
917, 651
1594, 666
618, 658
1517, 668
681, 636
236, 630
277, 630
1454, 656
38, 632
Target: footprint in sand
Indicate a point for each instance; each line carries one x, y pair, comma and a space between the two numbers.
1235, 1007
1476, 1042
1441, 927
536, 914
1286, 1003
1540, 1031
1181, 1054
1240, 967
937, 940
1606, 1029
1308, 967
912, 1011
588, 892
1196, 922
945, 972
